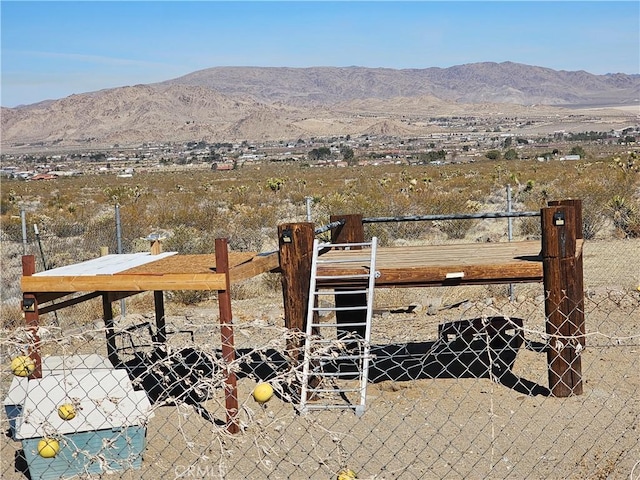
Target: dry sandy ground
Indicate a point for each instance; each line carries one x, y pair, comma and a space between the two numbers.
451, 426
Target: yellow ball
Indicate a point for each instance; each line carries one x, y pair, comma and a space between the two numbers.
263, 392
347, 474
48, 447
66, 411
23, 366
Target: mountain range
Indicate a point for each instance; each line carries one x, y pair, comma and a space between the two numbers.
223, 104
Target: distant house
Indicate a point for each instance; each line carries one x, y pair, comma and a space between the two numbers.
224, 166
43, 176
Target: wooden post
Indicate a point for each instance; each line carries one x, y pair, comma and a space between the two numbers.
109, 329
352, 231
296, 253
161, 329
563, 308
578, 313
156, 247
226, 334
31, 316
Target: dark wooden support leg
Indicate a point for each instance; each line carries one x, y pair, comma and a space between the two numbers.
107, 315
351, 232
161, 328
226, 333
31, 317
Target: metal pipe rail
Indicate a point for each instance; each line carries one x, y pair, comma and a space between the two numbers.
453, 216
328, 226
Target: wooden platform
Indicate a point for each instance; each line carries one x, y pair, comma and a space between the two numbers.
440, 265
142, 272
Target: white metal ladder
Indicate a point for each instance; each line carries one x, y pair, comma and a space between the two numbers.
327, 349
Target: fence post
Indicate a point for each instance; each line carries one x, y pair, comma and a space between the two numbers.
226, 333
123, 304
564, 304
308, 201
352, 231
578, 292
296, 254
31, 316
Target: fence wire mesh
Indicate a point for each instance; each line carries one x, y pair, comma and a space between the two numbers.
458, 383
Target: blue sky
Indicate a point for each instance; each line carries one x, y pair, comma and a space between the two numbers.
53, 49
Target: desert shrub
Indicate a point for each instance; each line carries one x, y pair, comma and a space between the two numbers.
266, 284
64, 228
188, 240
626, 216
11, 229
190, 297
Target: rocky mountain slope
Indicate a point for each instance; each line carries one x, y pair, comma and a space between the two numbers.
506, 82
250, 103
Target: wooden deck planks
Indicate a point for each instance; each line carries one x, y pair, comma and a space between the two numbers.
429, 264
169, 271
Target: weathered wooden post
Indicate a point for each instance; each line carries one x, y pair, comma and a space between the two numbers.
226, 334
351, 231
578, 313
109, 328
31, 315
296, 254
564, 304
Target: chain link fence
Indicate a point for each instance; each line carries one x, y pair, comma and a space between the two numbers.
458, 383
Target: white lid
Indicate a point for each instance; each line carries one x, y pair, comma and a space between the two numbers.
54, 365
104, 399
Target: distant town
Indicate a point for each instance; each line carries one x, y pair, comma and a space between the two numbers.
342, 151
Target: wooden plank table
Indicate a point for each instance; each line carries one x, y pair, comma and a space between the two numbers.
442, 265
138, 272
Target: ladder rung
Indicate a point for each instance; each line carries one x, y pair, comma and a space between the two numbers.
343, 277
310, 406
347, 375
366, 260
339, 309
329, 358
333, 390
352, 324
331, 291
322, 246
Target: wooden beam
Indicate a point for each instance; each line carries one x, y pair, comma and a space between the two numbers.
563, 308
257, 265
68, 303
296, 253
123, 282
426, 276
226, 333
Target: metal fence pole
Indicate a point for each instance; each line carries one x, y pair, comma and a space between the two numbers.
308, 201
23, 219
123, 305
510, 236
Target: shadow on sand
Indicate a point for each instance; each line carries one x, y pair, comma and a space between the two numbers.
476, 348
